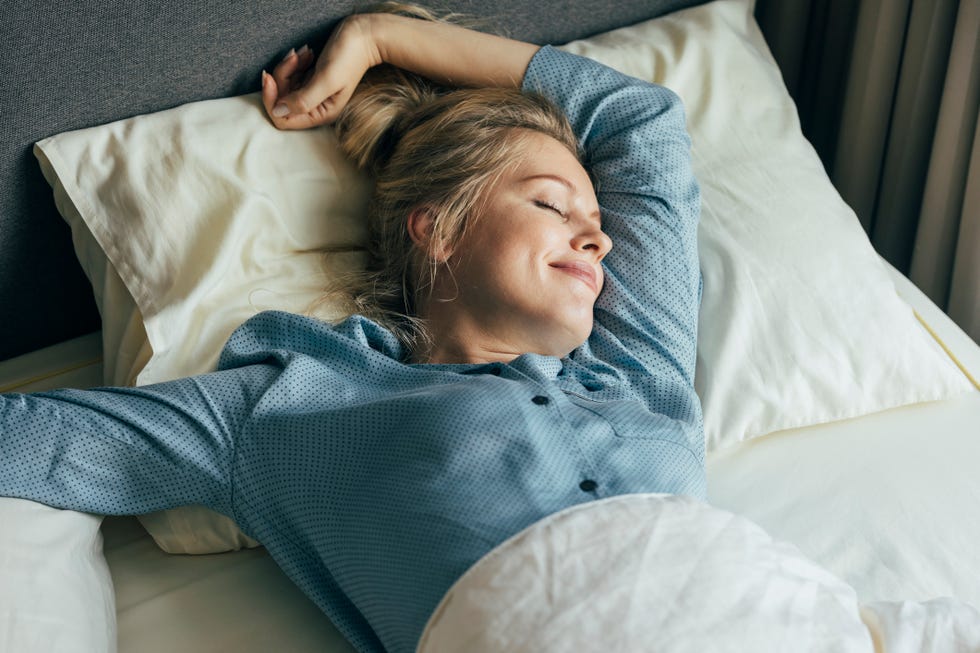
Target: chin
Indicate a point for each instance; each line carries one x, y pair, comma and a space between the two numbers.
565, 332
572, 342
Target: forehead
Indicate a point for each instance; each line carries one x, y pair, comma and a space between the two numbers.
542, 155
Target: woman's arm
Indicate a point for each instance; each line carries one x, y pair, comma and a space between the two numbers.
637, 147
129, 450
297, 97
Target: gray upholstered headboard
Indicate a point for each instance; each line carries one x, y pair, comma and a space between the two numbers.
69, 65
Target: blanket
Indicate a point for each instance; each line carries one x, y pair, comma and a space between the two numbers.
668, 573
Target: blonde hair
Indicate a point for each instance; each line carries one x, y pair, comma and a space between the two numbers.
433, 148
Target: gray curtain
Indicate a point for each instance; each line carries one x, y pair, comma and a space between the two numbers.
888, 93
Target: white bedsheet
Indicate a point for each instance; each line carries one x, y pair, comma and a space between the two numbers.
888, 502
237, 601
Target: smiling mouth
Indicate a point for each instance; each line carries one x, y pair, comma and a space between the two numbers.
581, 271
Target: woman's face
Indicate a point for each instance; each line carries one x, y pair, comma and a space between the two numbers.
527, 268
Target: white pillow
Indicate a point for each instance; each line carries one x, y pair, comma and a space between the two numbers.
201, 209
201, 212
217, 204
799, 322
55, 589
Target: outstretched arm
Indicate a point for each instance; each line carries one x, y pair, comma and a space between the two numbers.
299, 94
129, 450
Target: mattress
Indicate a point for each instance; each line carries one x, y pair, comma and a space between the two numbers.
857, 496
237, 601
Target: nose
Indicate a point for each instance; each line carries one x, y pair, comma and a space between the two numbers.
594, 241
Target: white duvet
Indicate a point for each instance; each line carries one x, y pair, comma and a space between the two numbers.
643, 573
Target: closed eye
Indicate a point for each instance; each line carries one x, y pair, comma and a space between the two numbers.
547, 205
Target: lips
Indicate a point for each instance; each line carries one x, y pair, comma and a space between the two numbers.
580, 270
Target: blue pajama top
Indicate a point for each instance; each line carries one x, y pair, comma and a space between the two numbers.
375, 483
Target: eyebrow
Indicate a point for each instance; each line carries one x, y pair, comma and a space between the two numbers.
567, 184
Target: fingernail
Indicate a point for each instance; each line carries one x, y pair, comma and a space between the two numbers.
280, 111
265, 78
291, 52
304, 49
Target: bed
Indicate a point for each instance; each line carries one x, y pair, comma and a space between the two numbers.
842, 418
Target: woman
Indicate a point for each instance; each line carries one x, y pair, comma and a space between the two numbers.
519, 363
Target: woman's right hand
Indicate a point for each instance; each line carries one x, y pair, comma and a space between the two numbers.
300, 95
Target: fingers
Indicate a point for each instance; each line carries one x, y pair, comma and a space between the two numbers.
282, 72
270, 92
270, 99
319, 98
303, 95
292, 73
301, 108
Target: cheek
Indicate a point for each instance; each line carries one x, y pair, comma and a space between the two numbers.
510, 254
496, 272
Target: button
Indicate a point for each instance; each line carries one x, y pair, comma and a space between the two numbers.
540, 400
588, 485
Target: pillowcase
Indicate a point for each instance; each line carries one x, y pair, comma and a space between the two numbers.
799, 322
202, 212
192, 220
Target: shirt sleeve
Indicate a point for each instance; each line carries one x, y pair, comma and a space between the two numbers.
128, 450
635, 144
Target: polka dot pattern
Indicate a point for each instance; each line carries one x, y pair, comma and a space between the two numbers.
375, 484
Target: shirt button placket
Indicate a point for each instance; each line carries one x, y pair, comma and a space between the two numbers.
588, 485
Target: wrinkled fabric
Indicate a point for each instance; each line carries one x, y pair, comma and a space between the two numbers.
653, 573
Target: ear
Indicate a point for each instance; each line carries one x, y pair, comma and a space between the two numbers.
421, 224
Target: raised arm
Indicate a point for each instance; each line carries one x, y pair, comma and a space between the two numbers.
637, 148
298, 94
